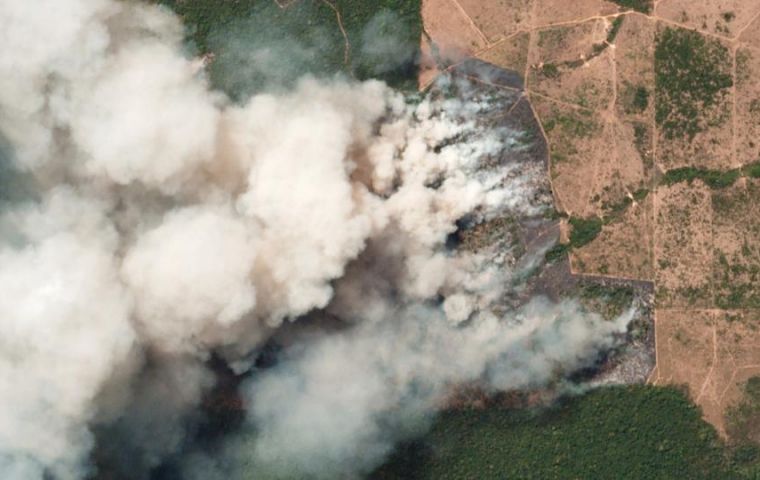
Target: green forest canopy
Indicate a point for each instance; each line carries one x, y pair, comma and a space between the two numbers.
259, 45
624, 432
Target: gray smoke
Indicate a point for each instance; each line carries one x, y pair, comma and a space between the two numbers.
164, 223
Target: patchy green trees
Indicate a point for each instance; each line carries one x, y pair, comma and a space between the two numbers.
643, 6
692, 81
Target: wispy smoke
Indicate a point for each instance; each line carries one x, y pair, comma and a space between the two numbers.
164, 224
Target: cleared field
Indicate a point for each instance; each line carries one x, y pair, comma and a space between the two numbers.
498, 19
549, 12
711, 352
511, 53
736, 259
724, 17
747, 105
634, 68
751, 33
451, 31
576, 140
683, 247
569, 43
632, 233
584, 83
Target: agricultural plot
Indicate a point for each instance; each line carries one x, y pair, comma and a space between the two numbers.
683, 246
747, 106
712, 353
725, 18
736, 263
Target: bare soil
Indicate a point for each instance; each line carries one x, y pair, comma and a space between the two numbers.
747, 105
711, 352
624, 249
498, 19
549, 12
725, 18
683, 246
450, 30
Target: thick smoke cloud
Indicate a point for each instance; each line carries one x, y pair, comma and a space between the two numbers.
338, 404
167, 224
58, 348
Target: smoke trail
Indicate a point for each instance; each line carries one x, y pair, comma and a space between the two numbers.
165, 224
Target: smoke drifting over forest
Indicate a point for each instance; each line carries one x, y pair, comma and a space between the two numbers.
148, 223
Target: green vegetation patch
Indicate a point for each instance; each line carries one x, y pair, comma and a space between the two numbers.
743, 420
715, 179
616, 24
642, 140
584, 230
643, 6
635, 98
633, 432
550, 70
692, 77
752, 170
258, 45
743, 428
384, 37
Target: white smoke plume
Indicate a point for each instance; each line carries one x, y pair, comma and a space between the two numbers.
167, 224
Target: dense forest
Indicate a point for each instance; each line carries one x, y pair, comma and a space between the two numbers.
633, 432
266, 44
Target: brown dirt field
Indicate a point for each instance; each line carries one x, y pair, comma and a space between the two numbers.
511, 53
568, 43
634, 62
622, 170
589, 85
628, 163
712, 352
719, 17
623, 249
751, 34
449, 28
747, 106
685, 341
576, 141
622, 161
683, 246
736, 224
498, 19
549, 12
